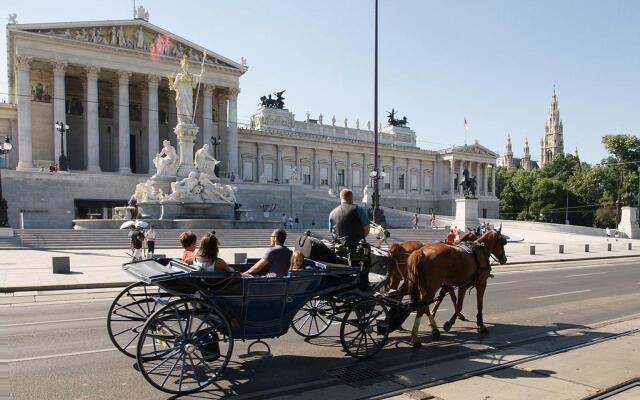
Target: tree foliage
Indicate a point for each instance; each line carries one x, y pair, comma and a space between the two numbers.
590, 193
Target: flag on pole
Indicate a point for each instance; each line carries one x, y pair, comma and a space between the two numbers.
466, 124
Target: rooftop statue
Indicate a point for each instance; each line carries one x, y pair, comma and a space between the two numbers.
393, 121
269, 102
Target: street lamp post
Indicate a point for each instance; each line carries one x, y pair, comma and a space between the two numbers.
215, 142
62, 128
5, 147
378, 216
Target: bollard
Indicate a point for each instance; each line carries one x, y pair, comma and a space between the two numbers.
561, 248
60, 265
532, 250
586, 248
629, 246
608, 246
239, 258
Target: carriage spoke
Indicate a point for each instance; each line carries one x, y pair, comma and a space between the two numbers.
171, 371
171, 353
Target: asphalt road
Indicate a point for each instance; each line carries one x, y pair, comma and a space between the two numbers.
62, 351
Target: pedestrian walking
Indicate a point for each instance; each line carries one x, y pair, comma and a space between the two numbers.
284, 220
607, 233
615, 233
296, 221
290, 222
313, 222
150, 237
137, 237
433, 220
415, 221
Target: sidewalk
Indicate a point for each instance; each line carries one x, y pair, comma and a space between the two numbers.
530, 373
22, 270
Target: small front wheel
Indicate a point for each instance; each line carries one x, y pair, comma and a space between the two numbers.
364, 330
313, 319
184, 346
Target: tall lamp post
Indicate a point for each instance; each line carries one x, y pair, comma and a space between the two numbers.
62, 128
378, 216
5, 147
215, 142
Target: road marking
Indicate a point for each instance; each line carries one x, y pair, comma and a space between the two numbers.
51, 322
591, 273
559, 294
501, 283
77, 353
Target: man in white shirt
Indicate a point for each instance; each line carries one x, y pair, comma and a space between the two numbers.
150, 237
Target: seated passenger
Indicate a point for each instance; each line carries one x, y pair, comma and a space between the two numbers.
188, 241
207, 255
297, 260
276, 260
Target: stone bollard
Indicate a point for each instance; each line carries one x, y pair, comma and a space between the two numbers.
608, 246
561, 248
532, 250
239, 258
586, 248
629, 246
60, 265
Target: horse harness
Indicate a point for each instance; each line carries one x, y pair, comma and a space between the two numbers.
474, 249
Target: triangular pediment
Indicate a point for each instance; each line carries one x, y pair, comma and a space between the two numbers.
475, 149
134, 35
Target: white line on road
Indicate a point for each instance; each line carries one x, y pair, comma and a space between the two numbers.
51, 322
559, 294
590, 273
501, 283
77, 353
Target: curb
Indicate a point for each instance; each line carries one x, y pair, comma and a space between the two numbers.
105, 285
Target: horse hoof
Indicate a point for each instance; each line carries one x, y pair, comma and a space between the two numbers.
462, 317
483, 329
436, 334
447, 326
416, 344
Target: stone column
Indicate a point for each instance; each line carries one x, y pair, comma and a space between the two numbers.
394, 175
124, 166
452, 177
493, 180
314, 169
59, 112
332, 177
207, 114
407, 177
232, 139
460, 170
153, 129
421, 178
25, 150
349, 170
485, 184
93, 137
258, 162
277, 171
222, 131
113, 144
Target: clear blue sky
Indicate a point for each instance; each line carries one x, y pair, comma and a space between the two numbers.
494, 62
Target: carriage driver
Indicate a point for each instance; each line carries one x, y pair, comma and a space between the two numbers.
349, 222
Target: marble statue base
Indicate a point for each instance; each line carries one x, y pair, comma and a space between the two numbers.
162, 183
629, 222
466, 214
186, 134
168, 209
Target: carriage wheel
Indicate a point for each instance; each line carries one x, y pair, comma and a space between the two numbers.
184, 346
314, 318
128, 313
363, 331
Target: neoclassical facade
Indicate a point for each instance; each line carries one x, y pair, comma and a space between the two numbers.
108, 80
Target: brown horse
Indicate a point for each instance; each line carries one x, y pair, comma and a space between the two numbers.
434, 265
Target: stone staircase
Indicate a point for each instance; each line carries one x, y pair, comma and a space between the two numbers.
52, 239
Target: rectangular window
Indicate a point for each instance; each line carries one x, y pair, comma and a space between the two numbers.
247, 170
306, 175
268, 172
427, 181
324, 176
414, 182
418, 210
356, 178
340, 177
287, 171
387, 179
401, 182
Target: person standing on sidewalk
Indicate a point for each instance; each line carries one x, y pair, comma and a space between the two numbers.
284, 221
433, 220
607, 233
136, 244
151, 241
415, 221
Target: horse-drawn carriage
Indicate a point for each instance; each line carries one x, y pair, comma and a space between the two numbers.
180, 322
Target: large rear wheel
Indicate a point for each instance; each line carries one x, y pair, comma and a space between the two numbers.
128, 313
364, 330
184, 346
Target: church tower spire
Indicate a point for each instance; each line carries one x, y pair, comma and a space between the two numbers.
552, 142
526, 157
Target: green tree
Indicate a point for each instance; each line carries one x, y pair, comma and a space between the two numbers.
547, 200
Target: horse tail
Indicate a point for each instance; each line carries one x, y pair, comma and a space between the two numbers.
413, 282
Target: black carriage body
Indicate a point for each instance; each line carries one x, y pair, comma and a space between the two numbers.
256, 307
